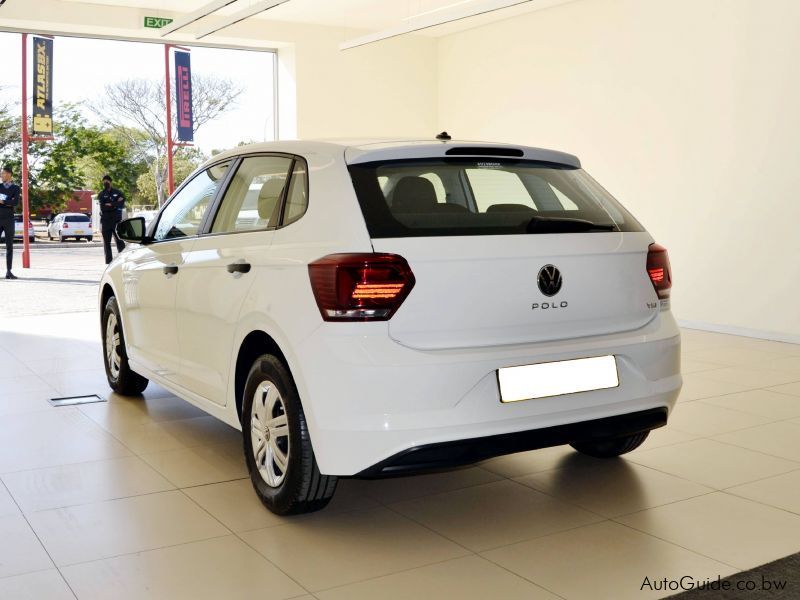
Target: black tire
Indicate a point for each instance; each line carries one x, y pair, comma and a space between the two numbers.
120, 377
302, 488
89, 239
32, 240
61, 239
613, 447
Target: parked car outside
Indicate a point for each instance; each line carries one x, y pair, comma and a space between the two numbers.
391, 308
18, 230
70, 225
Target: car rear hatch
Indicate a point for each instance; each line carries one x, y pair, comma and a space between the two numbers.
505, 250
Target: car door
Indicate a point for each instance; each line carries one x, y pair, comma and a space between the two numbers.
220, 269
151, 272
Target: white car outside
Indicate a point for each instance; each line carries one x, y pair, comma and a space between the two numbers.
387, 308
70, 225
18, 230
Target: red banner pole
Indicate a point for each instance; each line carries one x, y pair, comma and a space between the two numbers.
170, 173
26, 213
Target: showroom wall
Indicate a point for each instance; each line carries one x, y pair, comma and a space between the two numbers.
385, 90
381, 90
688, 111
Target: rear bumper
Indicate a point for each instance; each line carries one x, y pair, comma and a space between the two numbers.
369, 400
463, 452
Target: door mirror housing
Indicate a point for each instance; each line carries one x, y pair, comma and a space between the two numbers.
132, 230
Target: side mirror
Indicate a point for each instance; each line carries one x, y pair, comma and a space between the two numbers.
132, 230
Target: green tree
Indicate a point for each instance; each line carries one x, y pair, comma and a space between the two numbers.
77, 158
111, 152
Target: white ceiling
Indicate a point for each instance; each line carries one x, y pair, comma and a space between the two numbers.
347, 14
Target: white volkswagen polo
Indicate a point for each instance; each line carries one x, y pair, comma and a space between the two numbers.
376, 309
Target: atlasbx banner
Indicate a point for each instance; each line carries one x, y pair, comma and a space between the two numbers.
183, 94
43, 86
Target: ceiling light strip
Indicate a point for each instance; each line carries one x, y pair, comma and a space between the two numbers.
246, 13
431, 20
196, 15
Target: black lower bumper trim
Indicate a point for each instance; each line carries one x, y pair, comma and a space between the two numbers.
444, 455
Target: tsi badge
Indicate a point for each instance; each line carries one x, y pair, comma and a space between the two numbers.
549, 281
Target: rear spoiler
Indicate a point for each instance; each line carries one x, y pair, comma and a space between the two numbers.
378, 152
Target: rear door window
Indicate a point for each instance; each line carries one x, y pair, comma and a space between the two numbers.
252, 200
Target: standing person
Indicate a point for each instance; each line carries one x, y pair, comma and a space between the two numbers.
111, 202
9, 198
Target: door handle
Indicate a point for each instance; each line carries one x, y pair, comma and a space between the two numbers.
241, 267
170, 270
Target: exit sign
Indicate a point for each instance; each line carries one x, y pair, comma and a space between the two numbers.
156, 22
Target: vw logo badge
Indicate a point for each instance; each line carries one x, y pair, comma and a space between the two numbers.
549, 280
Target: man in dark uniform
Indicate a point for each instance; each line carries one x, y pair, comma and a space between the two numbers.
9, 198
111, 203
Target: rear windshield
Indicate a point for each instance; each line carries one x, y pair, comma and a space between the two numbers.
475, 196
77, 219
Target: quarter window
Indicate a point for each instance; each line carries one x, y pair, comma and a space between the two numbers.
184, 214
297, 198
252, 200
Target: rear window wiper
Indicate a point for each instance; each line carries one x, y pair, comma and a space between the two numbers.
565, 225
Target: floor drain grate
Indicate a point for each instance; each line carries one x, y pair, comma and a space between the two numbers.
73, 400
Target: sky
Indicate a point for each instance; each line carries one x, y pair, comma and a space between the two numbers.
82, 67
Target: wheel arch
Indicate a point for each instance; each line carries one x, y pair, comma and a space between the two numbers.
105, 293
253, 345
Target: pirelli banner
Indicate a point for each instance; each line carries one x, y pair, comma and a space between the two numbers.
183, 95
43, 86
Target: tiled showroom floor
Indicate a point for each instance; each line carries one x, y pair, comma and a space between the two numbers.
148, 498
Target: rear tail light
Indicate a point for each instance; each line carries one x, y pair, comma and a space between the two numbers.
360, 287
659, 270
65, 226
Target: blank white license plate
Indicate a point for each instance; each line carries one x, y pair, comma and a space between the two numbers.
556, 378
